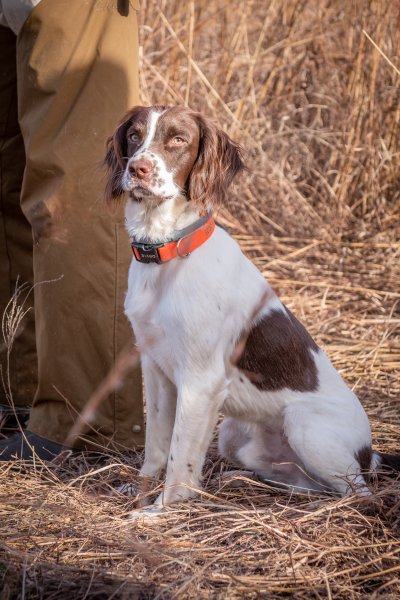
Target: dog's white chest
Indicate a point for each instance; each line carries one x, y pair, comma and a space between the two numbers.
156, 313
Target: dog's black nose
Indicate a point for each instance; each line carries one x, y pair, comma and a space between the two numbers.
141, 168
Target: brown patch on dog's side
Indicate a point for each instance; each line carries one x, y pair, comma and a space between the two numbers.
267, 296
277, 354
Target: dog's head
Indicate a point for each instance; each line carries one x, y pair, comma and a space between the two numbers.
161, 152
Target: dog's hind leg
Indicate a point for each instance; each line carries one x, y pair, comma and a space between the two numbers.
329, 448
266, 452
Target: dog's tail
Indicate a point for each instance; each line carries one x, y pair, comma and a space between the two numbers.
387, 462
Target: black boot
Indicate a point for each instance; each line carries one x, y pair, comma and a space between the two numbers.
24, 445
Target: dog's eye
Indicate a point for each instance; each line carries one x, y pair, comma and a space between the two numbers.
177, 140
133, 137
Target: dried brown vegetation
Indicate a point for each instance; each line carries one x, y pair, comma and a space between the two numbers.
311, 90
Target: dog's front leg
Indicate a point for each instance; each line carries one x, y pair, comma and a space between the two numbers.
160, 396
197, 411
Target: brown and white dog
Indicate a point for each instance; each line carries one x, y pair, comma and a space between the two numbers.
215, 336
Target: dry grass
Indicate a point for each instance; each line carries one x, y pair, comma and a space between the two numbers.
316, 106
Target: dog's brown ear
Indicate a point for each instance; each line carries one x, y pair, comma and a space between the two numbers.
219, 160
117, 156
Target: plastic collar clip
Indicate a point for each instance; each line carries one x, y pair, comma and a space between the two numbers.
146, 253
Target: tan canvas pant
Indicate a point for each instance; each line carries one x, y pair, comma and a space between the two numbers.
77, 74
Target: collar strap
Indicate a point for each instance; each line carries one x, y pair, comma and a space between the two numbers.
183, 244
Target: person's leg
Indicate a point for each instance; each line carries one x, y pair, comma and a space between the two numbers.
18, 362
77, 74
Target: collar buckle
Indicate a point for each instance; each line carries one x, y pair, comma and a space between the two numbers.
146, 253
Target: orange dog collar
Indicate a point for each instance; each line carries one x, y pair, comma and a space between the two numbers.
183, 244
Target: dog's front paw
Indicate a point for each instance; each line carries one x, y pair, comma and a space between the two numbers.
148, 514
176, 493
